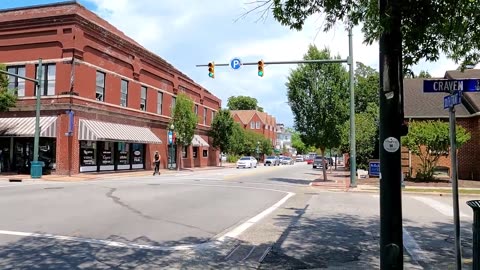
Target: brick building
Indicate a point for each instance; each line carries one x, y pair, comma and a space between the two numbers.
429, 106
256, 121
119, 93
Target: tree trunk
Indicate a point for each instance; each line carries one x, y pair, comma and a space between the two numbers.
324, 169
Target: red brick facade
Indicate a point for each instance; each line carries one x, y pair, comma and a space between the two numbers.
259, 122
80, 44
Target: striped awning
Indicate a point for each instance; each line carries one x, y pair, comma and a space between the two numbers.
25, 127
90, 130
199, 141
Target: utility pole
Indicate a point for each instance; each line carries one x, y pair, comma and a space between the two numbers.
353, 154
391, 117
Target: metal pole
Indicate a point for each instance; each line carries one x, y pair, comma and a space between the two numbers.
454, 166
391, 85
36, 168
353, 155
318, 61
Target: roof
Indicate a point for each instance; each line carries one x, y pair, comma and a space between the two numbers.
244, 115
472, 98
425, 105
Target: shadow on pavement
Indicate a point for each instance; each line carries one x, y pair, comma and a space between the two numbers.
352, 242
291, 181
45, 253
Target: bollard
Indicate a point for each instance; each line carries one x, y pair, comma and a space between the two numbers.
475, 205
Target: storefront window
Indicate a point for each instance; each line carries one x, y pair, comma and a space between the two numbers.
205, 153
195, 152
106, 153
123, 153
138, 153
184, 152
88, 153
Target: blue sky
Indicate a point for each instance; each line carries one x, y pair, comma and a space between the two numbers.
190, 32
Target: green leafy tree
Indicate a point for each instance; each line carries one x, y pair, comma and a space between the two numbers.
366, 87
430, 140
366, 135
298, 144
318, 99
425, 34
237, 140
424, 74
221, 130
243, 103
8, 99
185, 122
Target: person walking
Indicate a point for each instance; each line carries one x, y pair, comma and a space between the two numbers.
156, 162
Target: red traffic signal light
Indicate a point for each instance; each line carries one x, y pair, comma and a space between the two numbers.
211, 70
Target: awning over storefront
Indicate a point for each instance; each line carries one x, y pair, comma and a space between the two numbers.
90, 130
199, 141
25, 127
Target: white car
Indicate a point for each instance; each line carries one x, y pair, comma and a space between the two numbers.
247, 162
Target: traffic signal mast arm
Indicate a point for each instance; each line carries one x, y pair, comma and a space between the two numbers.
325, 61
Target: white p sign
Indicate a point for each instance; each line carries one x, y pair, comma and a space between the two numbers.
235, 63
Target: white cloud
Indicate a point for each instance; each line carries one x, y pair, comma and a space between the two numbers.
187, 32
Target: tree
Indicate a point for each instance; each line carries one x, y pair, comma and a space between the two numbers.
221, 130
243, 103
425, 35
424, 74
298, 144
430, 140
366, 87
266, 147
366, 135
8, 99
185, 121
237, 140
318, 98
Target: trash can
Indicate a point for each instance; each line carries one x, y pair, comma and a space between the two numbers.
36, 169
475, 205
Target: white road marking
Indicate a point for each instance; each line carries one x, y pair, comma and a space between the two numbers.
443, 208
412, 247
231, 234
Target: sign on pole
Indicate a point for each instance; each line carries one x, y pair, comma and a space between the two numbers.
236, 63
170, 137
451, 100
449, 86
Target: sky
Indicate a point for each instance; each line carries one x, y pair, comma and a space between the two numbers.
190, 32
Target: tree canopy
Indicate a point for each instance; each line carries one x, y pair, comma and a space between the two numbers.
243, 103
317, 95
426, 31
221, 130
184, 120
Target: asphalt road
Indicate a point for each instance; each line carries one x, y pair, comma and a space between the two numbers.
267, 218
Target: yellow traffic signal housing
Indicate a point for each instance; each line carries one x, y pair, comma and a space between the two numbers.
211, 70
260, 68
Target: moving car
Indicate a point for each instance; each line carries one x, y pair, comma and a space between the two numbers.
287, 161
272, 160
247, 162
309, 160
299, 159
317, 162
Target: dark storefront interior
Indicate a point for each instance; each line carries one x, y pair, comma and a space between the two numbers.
17, 153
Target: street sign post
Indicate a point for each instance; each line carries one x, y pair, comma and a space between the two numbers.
236, 63
454, 88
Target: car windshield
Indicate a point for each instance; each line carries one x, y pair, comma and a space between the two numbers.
318, 157
271, 157
245, 158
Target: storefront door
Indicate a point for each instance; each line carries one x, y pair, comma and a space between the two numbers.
172, 157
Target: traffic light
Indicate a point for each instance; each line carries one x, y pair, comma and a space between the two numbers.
260, 68
211, 70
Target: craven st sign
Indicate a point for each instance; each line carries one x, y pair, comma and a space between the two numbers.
450, 86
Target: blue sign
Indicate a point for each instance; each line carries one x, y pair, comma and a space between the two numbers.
374, 168
449, 86
71, 122
170, 137
235, 63
451, 100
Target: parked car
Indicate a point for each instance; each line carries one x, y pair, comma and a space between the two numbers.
317, 162
288, 161
330, 161
247, 162
299, 158
309, 160
272, 160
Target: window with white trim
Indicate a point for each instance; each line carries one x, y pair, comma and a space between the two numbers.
258, 125
159, 102
100, 86
15, 83
143, 98
252, 125
204, 116
196, 109
48, 80
124, 93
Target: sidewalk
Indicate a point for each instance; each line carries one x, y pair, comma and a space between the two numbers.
105, 175
339, 180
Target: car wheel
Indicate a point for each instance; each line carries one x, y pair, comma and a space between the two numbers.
265, 165
314, 167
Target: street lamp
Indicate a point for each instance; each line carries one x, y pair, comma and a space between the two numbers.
170, 140
258, 150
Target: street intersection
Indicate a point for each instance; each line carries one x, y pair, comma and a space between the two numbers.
264, 218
